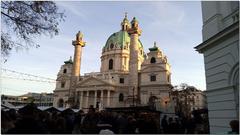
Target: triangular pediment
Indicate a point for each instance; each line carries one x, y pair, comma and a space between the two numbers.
92, 81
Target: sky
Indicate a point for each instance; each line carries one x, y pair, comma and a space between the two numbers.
175, 26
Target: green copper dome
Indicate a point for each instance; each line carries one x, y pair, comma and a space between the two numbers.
69, 61
120, 40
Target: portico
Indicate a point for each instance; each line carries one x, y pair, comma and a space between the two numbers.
94, 97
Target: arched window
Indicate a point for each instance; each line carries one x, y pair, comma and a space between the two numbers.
121, 97
112, 45
64, 70
110, 64
153, 60
234, 81
236, 90
60, 103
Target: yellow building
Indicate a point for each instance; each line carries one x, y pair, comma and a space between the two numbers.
128, 76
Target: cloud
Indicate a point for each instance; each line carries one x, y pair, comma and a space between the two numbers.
166, 16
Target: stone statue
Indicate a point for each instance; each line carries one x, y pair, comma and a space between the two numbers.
79, 36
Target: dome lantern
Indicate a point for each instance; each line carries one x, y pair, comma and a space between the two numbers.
125, 23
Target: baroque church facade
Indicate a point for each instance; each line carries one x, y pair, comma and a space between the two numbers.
128, 76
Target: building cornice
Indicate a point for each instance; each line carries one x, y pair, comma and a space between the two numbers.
225, 32
61, 90
156, 85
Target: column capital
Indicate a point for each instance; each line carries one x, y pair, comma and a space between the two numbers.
78, 43
79, 40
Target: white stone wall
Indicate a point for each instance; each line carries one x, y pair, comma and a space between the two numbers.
218, 15
120, 60
60, 95
160, 91
221, 59
59, 92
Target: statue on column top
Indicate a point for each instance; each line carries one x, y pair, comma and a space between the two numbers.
79, 36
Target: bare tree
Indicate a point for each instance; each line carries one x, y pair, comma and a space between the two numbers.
183, 96
22, 21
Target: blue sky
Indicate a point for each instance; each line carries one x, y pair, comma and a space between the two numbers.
175, 26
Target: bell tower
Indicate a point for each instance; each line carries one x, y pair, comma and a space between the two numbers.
134, 33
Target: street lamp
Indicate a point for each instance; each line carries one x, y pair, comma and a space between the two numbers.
133, 95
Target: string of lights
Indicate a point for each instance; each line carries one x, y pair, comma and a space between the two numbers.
38, 79
25, 79
15, 90
26, 74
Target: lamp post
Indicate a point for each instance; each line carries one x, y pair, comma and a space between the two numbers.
40, 99
133, 96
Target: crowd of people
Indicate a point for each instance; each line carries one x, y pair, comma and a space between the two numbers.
183, 125
33, 121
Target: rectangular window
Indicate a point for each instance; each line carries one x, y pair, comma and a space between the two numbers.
121, 80
62, 84
153, 78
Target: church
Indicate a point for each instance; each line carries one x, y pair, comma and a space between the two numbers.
128, 76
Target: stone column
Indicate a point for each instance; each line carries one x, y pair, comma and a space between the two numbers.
77, 60
81, 100
78, 43
133, 64
134, 33
95, 99
87, 96
108, 97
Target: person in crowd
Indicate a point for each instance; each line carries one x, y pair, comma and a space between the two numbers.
77, 123
89, 124
171, 126
147, 125
105, 121
177, 126
121, 123
234, 124
6, 122
60, 127
131, 125
29, 123
164, 124
190, 126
